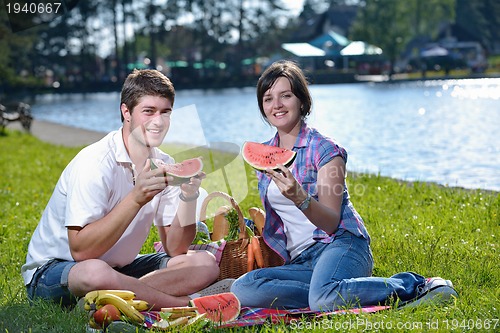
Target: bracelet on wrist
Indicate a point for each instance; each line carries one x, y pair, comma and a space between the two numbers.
191, 198
305, 203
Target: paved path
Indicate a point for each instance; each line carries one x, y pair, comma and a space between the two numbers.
60, 134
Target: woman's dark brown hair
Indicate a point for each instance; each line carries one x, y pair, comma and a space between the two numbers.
298, 83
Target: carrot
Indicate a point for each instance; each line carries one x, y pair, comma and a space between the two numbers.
250, 256
257, 252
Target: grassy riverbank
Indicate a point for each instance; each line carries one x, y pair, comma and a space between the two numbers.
426, 228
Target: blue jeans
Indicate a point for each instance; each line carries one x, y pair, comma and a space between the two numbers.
50, 282
325, 277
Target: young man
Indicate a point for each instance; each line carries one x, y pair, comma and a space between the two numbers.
104, 204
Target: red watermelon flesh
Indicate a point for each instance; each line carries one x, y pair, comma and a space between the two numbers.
219, 308
262, 157
182, 171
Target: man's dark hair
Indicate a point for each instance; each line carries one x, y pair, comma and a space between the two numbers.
145, 82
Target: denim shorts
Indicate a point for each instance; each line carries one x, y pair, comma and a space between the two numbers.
50, 281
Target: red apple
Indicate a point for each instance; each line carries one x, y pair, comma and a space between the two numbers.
105, 315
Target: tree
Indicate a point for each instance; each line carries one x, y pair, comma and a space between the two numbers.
234, 24
481, 19
392, 24
491, 12
82, 29
380, 22
16, 66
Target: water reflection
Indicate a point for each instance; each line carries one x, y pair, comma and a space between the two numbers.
444, 131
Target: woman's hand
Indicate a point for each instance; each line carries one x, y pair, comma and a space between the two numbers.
326, 210
287, 184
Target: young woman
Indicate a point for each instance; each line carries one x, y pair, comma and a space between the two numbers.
310, 220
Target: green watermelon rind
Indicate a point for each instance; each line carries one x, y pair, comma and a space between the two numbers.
178, 180
286, 162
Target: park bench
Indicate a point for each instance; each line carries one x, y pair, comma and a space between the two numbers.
21, 113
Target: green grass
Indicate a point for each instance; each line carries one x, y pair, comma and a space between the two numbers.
420, 227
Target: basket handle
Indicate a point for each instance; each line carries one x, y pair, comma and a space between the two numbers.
234, 204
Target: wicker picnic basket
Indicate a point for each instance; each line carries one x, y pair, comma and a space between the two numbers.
233, 262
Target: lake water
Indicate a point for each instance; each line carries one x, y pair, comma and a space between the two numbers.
444, 131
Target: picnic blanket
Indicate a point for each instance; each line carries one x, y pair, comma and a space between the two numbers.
257, 316
250, 316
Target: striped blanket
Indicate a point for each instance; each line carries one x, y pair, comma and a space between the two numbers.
259, 316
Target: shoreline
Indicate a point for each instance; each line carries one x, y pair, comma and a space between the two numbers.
58, 134
68, 136
28, 97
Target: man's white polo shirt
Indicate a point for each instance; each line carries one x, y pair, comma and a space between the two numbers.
94, 182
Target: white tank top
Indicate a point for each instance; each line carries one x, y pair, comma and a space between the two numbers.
298, 229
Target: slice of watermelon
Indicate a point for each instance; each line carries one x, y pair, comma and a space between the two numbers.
262, 157
181, 172
219, 308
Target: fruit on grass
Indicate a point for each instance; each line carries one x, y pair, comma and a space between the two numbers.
128, 310
177, 316
168, 324
219, 308
139, 304
94, 300
91, 296
182, 171
105, 315
165, 324
262, 157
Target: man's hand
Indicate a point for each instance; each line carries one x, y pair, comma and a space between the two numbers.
149, 183
191, 188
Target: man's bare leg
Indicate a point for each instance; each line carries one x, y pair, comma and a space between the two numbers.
185, 274
95, 274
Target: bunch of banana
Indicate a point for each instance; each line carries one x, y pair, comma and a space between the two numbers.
122, 299
178, 316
